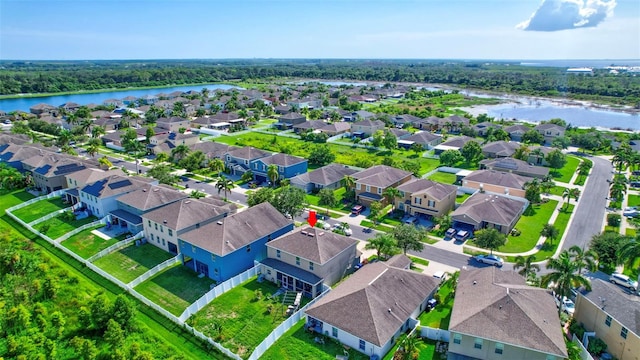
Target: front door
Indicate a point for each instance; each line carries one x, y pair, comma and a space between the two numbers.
173, 248
202, 268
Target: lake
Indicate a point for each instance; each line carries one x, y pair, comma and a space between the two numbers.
24, 104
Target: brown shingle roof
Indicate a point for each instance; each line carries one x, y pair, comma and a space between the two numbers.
90, 175
375, 302
313, 244
327, 175
380, 176
185, 213
437, 190
238, 230
151, 197
499, 178
498, 305
490, 208
282, 159
620, 305
247, 152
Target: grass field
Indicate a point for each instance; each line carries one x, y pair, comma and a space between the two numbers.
443, 177
59, 227
633, 200
39, 209
128, 263
86, 244
566, 173
298, 344
440, 316
175, 289
243, 319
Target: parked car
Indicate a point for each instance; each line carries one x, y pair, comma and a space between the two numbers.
410, 220
357, 209
462, 235
347, 231
440, 275
565, 305
490, 260
624, 280
323, 225
431, 303
451, 232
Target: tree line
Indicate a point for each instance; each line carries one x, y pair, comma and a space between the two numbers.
41, 77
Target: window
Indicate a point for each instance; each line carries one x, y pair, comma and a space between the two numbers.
278, 254
457, 339
607, 321
431, 203
334, 332
499, 348
297, 261
248, 248
213, 257
161, 228
310, 266
156, 226
361, 344
193, 249
268, 271
163, 242
379, 190
418, 201
149, 222
478, 344
358, 186
170, 232
151, 237
368, 188
624, 332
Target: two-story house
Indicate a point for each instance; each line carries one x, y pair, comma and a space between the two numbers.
366, 127
239, 160
484, 210
14, 155
497, 316
133, 205
371, 309
289, 120
229, 246
79, 179
100, 197
288, 166
164, 225
371, 183
173, 124
516, 131
305, 259
550, 131
48, 170
612, 313
427, 198
164, 143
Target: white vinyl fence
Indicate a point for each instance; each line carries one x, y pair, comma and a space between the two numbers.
435, 334
64, 237
285, 326
156, 269
49, 216
57, 193
117, 246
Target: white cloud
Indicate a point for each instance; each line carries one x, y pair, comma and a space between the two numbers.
554, 15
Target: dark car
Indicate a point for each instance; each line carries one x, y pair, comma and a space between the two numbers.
431, 304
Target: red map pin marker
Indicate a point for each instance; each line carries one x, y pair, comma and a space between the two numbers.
312, 218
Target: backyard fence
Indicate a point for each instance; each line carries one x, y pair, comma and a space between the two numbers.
156, 269
127, 287
117, 246
217, 291
435, 334
49, 216
285, 326
584, 353
54, 194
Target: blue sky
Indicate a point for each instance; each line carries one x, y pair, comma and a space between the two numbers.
427, 29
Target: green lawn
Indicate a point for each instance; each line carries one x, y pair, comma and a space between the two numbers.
461, 198
339, 194
566, 173
420, 261
557, 190
244, 321
175, 289
298, 344
630, 232
443, 177
87, 244
440, 316
561, 223
345, 154
39, 209
132, 261
59, 227
633, 200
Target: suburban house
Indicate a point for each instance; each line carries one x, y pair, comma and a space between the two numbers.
426, 197
550, 131
454, 123
371, 183
164, 143
133, 205
70, 106
496, 316
515, 166
14, 154
309, 257
538, 155
371, 309
224, 248
238, 160
516, 131
173, 124
427, 139
212, 150
357, 115
100, 197
455, 143
48, 170
496, 149
79, 179
179, 217
497, 182
399, 133
432, 123
402, 120
483, 128
482, 210
229, 118
310, 125
612, 314
336, 128
44, 109
289, 120
326, 177
288, 166
366, 127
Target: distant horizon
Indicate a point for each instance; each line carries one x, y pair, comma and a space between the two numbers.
328, 58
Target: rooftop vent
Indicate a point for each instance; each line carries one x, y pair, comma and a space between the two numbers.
219, 222
164, 221
321, 233
144, 190
310, 234
474, 282
303, 232
389, 310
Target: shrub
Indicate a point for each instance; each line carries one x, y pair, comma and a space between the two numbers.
613, 220
515, 232
576, 329
596, 346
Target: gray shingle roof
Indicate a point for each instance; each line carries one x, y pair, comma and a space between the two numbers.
247, 152
374, 302
490, 208
501, 148
380, 176
115, 184
500, 178
423, 137
435, 189
90, 175
184, 213
498, 305
511, 164
623, 307
458, 141
313, 244
238, 230
212, 149
519, 128
313, 124
326, 175
282, 159
151, 196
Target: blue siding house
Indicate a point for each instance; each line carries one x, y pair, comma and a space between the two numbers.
288, 166
229, 246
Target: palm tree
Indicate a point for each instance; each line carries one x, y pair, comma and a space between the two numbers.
391, 194
383, 244
64, 137
522, 153
97, 131
94, 147
348, 182
136, 148
618, 189
565, 276
570, 193
105, 162
547, 184
272, 174
584, 167
224, 184
585, 259
216, 165
550, 232
527, 265
179, 152
629, 252
344, 226
85, 125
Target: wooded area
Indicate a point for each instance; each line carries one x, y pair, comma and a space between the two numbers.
64, 76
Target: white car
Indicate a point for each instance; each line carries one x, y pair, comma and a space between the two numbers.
323, 225
624, 280
566, 305
490, 260
347, 231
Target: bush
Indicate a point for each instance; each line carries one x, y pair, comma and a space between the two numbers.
596, 346
515, 232
576, 329
613, 220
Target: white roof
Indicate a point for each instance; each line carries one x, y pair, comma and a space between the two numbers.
220, 124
